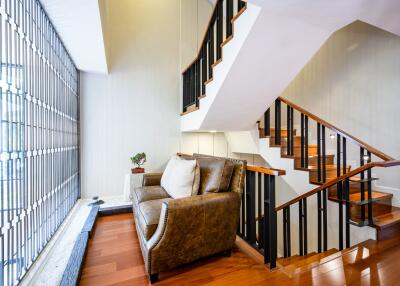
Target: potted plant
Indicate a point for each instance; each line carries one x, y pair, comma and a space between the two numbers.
138, 160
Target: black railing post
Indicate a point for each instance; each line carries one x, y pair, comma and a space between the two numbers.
270, 224
323, 155
369, 187
220, 28
319, 151
291, 132
241, 5
267, 123
229, 16
277, 122
203, 69
339, 191
301, 242
259, 212
306, 141
302, 141
286, 232
325, 218
250, 208
319, 218
346, 193
362, 189
288, 137
210, 50
197, 81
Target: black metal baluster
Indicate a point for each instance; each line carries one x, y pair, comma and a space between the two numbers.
259, 207
270, 224
184, 92
229, 16
288, 137
306, 141
339, 192
267, 123
301, 242
277, 122
210, 50
198, 81
204, 69
289, 248
362, 189
323, 155
241, 5
284, 233
319, 151
243, 216
346, 193
325, 218
302, 141
220, 28
250, 208
369, 187
319, 222
291, 132
305, 247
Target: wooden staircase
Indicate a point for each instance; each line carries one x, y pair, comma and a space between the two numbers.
386, 218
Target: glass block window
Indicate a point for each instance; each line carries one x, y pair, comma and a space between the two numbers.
39, 145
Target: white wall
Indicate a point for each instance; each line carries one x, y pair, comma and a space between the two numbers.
136, 107
194, 18
353, 83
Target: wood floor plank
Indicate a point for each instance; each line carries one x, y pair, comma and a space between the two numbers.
114, 258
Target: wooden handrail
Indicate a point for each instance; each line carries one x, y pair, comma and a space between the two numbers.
268, 171
383, 164
369, 148
205, 33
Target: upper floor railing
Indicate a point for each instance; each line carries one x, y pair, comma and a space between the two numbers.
200, 71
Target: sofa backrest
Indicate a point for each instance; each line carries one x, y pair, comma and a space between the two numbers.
238, 175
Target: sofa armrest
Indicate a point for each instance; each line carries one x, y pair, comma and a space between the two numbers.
152, 179
194, 227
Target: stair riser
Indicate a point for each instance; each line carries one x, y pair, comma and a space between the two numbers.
312, 150
313, 162
296, 142
384, 206
330, 175
272, 133
354, 188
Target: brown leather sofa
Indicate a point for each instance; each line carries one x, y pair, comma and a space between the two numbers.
173, 232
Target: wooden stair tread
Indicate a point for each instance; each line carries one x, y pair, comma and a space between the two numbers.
386, 220
356, 197
283, 262
310, 262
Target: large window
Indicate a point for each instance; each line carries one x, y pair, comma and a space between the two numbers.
39, 146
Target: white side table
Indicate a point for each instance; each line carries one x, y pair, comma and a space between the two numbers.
132, 181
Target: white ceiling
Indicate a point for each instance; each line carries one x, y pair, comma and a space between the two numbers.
78, 23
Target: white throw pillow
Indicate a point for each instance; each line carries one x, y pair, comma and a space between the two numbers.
178, 177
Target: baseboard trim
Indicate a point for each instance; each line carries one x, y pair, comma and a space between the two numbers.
115, 210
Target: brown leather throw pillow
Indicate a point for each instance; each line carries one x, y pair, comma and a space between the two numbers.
215, 175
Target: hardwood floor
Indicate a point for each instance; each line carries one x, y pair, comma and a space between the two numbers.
114, 258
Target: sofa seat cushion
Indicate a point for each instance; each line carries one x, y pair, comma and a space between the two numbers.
143, 194
148, 215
